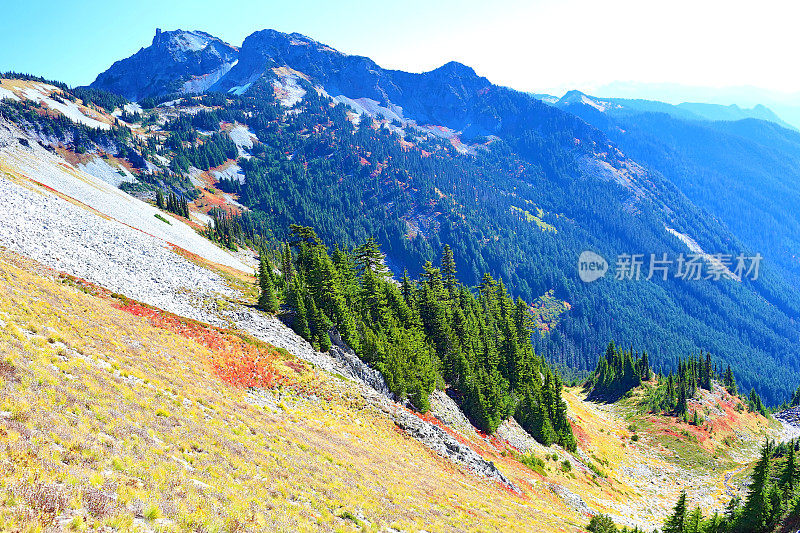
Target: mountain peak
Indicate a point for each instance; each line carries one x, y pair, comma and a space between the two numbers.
176, 61
186, 41
454, 68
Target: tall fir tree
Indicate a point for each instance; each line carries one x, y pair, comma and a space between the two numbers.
267, 300
757, 513
676, 523
449, 269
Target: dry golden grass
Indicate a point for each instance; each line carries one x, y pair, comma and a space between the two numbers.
110, 421
113, 414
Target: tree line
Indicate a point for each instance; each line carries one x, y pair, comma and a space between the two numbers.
172, 203
421, 333
619, 371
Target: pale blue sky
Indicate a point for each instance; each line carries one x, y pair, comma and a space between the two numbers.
534, 45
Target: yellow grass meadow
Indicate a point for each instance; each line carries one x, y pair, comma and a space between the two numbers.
113, 421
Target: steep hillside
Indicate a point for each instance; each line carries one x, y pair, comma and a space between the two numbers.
142, 388
744, 172
116, 414
515, 187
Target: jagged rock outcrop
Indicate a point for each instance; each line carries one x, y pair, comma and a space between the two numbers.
446, 95
177, 61
445, 444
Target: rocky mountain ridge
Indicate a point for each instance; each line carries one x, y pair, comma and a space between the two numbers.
176, 61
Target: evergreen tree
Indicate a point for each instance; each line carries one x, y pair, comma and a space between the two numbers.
758, 507
448, 269
694, 521
267, 300
644, 365
729, 381
423, 332
369, 256
296, 301
791, 470
406, 288
160, 200
601, 523
319, 325
287, 268
676, 523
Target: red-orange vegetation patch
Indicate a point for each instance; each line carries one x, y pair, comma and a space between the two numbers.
71, 157
234, 361
674, 427
297, 366
663, 426
580, 433
435, 421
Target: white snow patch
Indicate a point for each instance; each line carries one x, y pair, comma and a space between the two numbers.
99, 168
239, 90
5, 93
233, 172
68, 109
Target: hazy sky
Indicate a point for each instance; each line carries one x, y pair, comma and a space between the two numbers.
536, 45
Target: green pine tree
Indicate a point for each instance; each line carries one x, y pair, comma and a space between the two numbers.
676, 523
694, 521
448, 269
757, 513
296, 301
267, 300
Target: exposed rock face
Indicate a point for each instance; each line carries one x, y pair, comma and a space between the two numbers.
452, 95
446, 95
571, 499
177, 61
445, 444
356, 368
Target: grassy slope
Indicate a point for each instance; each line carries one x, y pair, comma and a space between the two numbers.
650, 458
114, 414
105, 413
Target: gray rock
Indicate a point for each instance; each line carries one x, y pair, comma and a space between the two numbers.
446, 445
176, 61
571, 499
